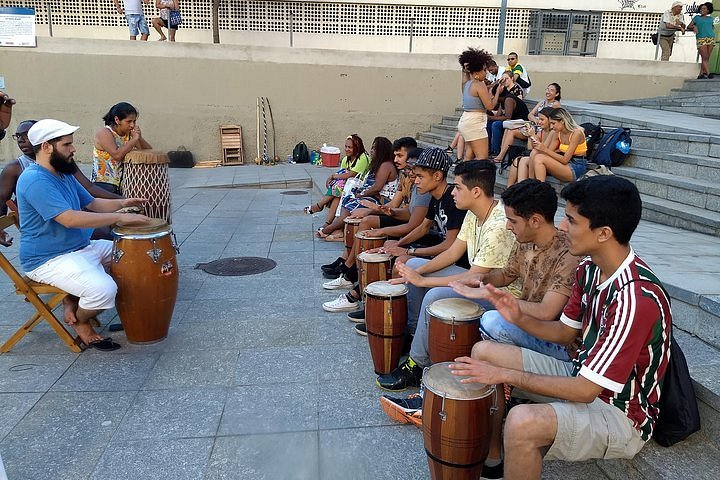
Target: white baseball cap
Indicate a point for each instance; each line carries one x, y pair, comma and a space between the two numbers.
677, 4
49, 129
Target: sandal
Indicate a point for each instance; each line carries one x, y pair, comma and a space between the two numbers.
309, 209
321, 234
333, 237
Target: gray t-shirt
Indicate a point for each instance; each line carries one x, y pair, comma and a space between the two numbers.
418, 199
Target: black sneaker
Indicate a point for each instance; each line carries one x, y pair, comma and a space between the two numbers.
332, 266
407, 345
335, 272
361, 329
407, 375
357, 317
492, 473
408, 405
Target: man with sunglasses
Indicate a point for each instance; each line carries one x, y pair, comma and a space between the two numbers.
520, 75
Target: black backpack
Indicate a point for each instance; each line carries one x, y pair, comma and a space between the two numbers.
608, 153
300, 153
593, 134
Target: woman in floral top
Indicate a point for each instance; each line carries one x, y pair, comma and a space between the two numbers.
120, 135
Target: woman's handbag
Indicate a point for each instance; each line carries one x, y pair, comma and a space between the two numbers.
174, 18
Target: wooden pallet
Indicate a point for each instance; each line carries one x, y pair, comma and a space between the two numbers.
231, 145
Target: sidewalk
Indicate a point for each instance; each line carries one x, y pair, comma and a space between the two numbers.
255, 380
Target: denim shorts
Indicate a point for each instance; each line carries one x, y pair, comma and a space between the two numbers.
137, 24
578, 165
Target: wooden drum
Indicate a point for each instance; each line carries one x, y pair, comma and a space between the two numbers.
373, 268
351, 228
386, 321
145, 175
368, 240
456, 423
146, 272
454, 328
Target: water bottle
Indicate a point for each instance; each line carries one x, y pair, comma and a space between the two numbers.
623, 146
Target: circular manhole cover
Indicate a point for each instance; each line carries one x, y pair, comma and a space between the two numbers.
237, 266
294, 192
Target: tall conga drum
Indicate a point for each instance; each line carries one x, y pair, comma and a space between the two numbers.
146, 272
145, 175
453, 328
456, 423
374, 267
386, 321
368, 240
351, 228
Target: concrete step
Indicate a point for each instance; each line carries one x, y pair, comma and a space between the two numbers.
692, 166
694, 192
708, 85
692, 109
681, 143
679, 215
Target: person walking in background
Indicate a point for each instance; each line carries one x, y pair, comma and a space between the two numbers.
704, 36
135, 17
670, 24
165, 6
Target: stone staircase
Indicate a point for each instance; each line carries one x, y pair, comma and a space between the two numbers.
696, 97
677, 170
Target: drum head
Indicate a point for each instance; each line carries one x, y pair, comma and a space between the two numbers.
458, 309
440, 380
374, 257
386, 289
156, 226
370, 235
146, 157
353, 221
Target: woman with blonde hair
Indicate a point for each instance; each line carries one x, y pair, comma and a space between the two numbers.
568, 162
520, 166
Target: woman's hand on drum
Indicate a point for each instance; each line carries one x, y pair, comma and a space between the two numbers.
477, 371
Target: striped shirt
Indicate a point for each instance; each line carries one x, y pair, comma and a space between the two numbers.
625, 323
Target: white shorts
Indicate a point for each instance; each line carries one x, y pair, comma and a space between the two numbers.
473, 126
584, 430
82, 274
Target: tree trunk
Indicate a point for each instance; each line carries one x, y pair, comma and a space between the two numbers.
215, 22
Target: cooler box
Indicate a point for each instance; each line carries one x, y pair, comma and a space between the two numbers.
330, 156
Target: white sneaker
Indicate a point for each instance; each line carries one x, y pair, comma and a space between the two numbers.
342, 304
338, 283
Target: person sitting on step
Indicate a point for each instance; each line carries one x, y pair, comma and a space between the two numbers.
483, 240
355, 163
379, 187
520, 166
568, 163
606, 402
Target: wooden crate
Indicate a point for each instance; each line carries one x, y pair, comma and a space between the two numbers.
231, 145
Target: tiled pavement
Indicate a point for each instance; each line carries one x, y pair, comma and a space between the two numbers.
255, 380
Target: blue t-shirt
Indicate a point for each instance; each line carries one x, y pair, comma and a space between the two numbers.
704, 26
42, 196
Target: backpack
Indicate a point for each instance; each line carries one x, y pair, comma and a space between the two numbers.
614, 148
300, 153
593, 170
593, 134
679, 415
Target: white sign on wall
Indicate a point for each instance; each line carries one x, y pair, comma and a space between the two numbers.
17, 27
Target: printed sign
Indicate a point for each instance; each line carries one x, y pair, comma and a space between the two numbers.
17, 27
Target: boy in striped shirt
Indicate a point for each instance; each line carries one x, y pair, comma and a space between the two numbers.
607, 398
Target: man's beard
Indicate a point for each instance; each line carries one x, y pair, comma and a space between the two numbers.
63, 164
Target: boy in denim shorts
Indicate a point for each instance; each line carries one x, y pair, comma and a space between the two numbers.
135, 18
603, 404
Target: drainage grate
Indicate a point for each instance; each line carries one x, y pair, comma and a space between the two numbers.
294, 192
237, 266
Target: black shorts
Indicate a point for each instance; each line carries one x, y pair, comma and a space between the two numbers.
386, 221
165, 24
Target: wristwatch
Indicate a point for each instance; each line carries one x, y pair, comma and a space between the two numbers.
411, 251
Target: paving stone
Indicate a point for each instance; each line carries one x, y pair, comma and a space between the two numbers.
258, 457
32, 373
176, 459
192, 369
363, 453
13, 407
293, 407
277, 365
176, 413
346, 404
107, 372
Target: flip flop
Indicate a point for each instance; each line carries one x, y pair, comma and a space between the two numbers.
104, 345
334, 238
321, 234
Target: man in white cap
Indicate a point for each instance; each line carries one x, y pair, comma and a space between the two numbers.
670, 24
55, 246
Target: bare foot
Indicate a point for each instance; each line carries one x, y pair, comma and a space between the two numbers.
162, 39
70, 306
86, 332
